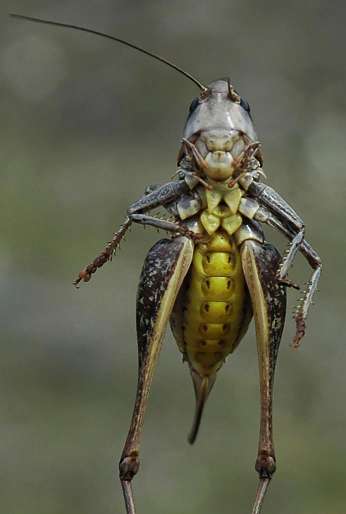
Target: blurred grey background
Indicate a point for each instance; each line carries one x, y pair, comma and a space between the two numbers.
85, 126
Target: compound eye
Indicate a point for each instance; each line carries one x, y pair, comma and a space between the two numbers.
193, 105
245, 105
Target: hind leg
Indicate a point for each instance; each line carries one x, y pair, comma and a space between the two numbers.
163, 272
268, 297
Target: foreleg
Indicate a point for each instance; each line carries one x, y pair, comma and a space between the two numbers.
160, 195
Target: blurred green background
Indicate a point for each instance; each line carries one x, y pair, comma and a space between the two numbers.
85, 126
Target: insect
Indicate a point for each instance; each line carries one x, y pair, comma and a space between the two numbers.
216, 271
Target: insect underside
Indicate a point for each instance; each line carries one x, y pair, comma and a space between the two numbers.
213, 309
216, 271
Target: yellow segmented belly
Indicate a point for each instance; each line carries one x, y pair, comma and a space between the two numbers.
214, 303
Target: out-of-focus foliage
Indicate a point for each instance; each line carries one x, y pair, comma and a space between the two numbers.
85, 126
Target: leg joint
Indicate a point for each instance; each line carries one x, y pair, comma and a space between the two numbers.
129, 466
318, 262
132, 210
265, 465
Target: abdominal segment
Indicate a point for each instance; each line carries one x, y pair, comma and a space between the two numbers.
213, 304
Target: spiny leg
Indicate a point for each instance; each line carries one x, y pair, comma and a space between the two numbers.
160, 195
163, 272
275, 211
268, 297
290, 255
105, 256
301, 312
314, 260
278, 207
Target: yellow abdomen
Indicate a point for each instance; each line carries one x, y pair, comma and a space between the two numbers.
214, 303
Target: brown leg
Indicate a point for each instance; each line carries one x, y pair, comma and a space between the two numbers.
163, 272
105, 256
160, 195
260, 264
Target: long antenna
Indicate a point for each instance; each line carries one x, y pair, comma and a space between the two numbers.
113, 38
